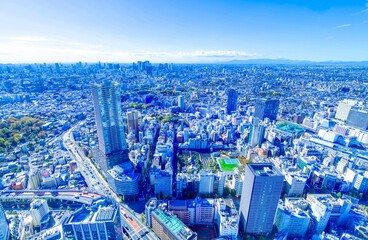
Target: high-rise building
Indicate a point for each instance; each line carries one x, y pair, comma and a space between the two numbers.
100, 223
133, 122
181, 102
167, 226
206, 181
358, 118
4, 228
232, 100
260, 196
266, 108
344, 108
257, 133
39, 212
109, 122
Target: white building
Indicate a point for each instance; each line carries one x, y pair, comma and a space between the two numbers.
343, 109
237, 184
206, 180
295, 184
227, 218
291, 218
39, 212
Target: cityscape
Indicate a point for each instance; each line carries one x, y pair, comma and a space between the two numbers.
183, 144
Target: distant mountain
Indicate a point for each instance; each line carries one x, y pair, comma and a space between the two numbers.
267, 61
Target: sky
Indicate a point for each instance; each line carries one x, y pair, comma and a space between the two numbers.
182, 31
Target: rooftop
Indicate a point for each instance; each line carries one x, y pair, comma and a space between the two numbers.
264, 169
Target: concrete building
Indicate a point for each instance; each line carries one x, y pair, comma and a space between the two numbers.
132, 119
237, 184
257, 133
4, 227
109, 122
361, 182
227, 218
260, 196
39, 212
266, 108
181, 102
34, 180
123, 181
295, 184
167, 226
321, 209
206, 182
204, 210
232, 101
294, 220
95, 222
358, 118
343, 109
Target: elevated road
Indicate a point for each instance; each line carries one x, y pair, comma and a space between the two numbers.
130, 222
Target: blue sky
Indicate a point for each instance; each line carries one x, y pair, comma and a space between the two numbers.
182, 31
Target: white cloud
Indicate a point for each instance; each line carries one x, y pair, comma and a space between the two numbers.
23, 49
344, 25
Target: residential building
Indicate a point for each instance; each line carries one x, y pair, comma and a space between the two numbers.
109, 122
39, 212
227, 218
167, 226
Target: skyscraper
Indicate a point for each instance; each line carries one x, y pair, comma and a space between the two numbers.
232, 100
257, 133
133, 122
266, 108
260, 195
181, 102
109, 122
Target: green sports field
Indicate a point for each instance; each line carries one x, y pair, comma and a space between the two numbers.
228, 164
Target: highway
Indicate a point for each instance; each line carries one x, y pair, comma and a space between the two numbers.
72, 195
129, 220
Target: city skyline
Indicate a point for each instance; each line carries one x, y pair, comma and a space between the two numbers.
182, 32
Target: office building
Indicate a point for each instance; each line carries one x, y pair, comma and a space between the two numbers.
167, 226
109, 122
133, 122
4, 227
232, 101
204, 209
96, 222
291, 218
260, 196
181, 102
358, 118
361, 182
266, 108
39, 212
295, 184
257, 133
123, 180
34, 180
343, 109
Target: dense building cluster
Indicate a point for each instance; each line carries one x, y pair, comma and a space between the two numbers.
278, 151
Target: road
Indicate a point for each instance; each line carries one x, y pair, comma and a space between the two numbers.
129, 219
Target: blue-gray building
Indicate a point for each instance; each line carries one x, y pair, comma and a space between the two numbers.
266, 108
232, 100
260, 196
